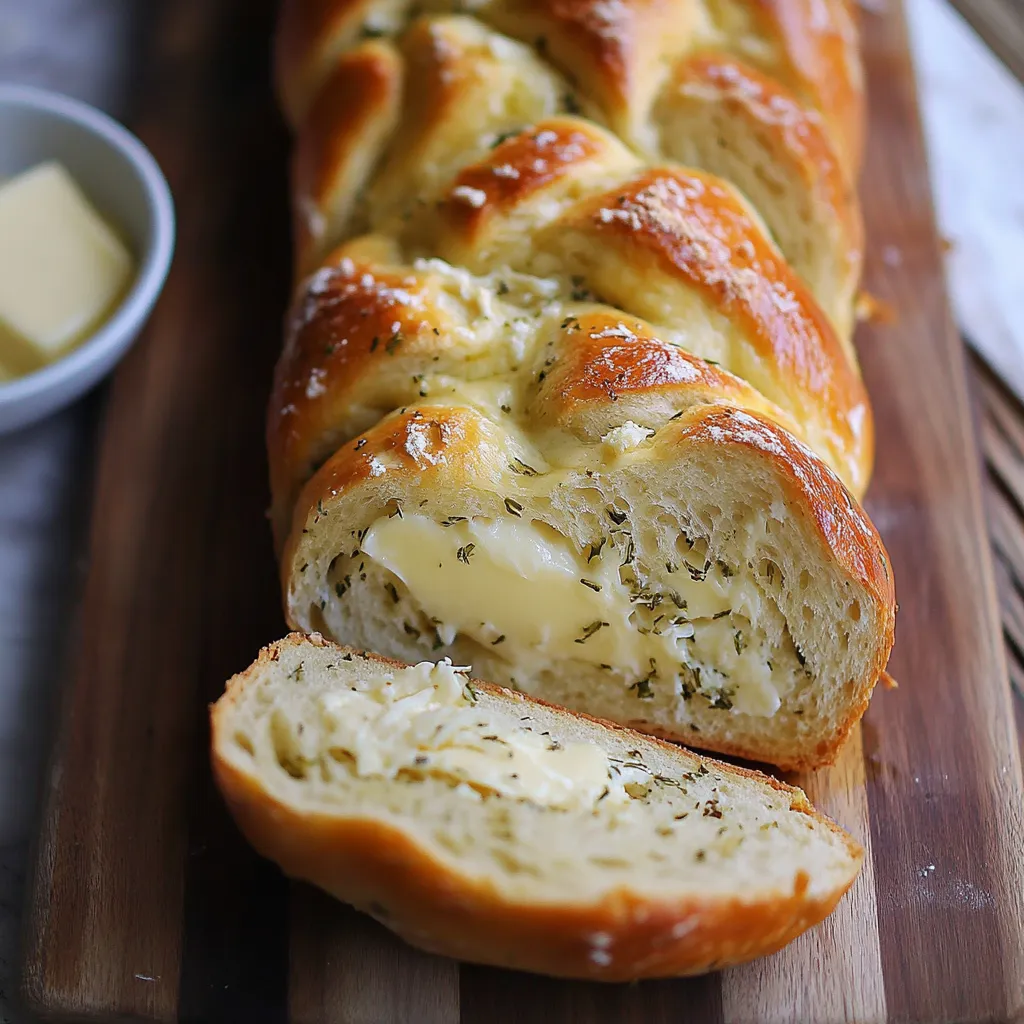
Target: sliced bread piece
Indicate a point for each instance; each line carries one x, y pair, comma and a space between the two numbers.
481, 824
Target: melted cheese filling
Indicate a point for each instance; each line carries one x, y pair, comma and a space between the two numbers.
426, 720
521, 588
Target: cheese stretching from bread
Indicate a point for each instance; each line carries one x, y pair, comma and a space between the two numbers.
480, 824
568, 391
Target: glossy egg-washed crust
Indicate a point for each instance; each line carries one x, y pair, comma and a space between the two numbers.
533, 136
376, 90
384, 871
808, 46
369, 333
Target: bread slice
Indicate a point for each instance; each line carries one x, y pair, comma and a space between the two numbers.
708, 580
481, 824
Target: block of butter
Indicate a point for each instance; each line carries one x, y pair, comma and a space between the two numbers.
62, 268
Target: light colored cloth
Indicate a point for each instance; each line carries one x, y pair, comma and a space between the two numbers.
975, 117
974, 122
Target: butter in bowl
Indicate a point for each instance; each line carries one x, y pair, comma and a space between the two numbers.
63, 270
86, 237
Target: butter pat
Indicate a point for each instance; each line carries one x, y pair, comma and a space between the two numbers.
62, 269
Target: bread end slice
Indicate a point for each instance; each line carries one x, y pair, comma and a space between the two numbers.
605, 854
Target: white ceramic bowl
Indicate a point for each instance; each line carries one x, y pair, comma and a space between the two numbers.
122, 179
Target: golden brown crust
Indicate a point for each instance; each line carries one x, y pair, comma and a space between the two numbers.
617, 363
691, 227
770, 106
688, 227
467, 87
308, 32
345, 130
413, 443
362, 318
383, 871
798, 144
517, 169
613, 52
364, 337
820, 44
684, 229
690, 224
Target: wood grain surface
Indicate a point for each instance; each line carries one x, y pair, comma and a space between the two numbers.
1002, 438
147, 905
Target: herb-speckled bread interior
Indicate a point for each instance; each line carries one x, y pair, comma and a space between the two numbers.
479, 823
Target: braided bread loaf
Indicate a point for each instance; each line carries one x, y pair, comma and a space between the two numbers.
553, 403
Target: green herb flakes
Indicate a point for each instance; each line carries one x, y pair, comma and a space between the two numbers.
589, 631
643, 689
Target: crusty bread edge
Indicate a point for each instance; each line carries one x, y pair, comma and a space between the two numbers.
382, 870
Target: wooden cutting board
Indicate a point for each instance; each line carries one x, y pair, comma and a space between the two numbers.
146, 903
